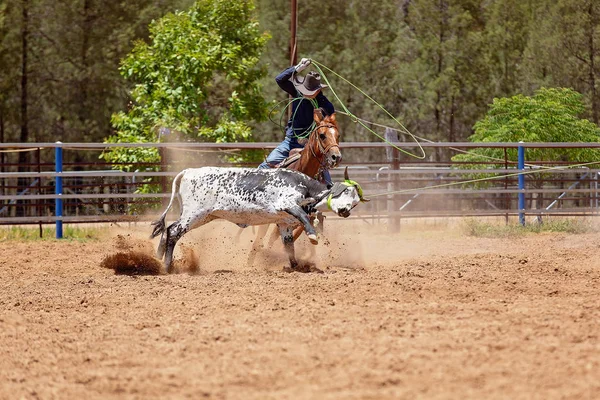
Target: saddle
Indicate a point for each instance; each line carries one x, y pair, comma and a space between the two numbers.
291, 158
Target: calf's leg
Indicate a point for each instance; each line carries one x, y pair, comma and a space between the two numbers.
174, 232
321, 223
299, 213
179, 228
298, 230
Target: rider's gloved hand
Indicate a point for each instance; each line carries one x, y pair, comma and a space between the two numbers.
303, 64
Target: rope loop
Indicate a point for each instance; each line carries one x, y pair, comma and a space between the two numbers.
355, 119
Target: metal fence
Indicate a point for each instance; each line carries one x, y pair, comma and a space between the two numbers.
68, 183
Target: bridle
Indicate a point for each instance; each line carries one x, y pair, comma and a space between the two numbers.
322, 149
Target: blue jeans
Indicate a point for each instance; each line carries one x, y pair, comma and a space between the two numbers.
281, 152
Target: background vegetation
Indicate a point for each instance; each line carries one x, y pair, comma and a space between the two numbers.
436, 65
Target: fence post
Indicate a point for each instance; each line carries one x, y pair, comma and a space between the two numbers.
393, 157
164, 134
40, 208
521, 166
58, 189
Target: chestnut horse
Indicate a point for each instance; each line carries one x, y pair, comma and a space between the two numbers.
321, 152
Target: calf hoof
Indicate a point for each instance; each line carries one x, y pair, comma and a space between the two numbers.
304, 268
313, 239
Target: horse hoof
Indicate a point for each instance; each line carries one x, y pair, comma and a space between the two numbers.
313, 239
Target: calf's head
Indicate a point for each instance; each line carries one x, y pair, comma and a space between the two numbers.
345, 196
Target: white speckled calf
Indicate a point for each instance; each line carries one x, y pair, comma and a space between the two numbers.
246, 197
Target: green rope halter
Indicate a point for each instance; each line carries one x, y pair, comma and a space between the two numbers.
349, 183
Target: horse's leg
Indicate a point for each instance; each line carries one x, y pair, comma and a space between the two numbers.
238, 235
287, 238
297, 232
320, 225
257, 244
273, 238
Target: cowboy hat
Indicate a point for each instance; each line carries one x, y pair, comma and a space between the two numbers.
308, 85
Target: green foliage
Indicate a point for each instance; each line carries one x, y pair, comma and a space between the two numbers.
563, 49
252, 157
73, 53
477, 228
442, 78
197, 76
433, 64
551, 115
358, 41
507, 29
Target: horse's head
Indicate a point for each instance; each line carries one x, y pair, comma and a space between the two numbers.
325, 140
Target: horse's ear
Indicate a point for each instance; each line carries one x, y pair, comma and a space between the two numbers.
332, 117
318, 115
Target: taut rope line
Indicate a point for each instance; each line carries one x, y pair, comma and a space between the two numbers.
502, 160
483, 179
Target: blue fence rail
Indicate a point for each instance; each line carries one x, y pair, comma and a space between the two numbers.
401, 187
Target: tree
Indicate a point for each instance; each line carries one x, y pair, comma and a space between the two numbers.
197, 76
59, 64
564, 49
445, 82
550, 115
357, 41
507, 29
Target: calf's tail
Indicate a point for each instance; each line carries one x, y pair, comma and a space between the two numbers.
159, 224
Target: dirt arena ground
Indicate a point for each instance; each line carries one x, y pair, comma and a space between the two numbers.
427, 313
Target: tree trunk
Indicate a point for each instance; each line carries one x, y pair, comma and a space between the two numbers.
24, 136
592, 65
84, 78
440, 66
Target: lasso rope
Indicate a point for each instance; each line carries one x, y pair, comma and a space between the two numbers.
483, 156
307, 131
355, 119
415, 138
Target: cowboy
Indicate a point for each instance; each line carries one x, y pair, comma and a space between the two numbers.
307, 97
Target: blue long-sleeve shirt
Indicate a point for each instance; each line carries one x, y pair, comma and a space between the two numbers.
302, 108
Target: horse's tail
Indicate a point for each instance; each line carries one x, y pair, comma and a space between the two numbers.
159, 224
